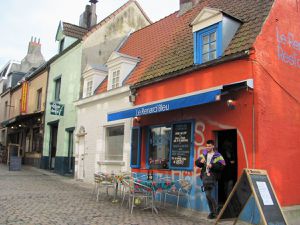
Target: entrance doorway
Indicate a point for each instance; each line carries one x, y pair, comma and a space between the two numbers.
53, 145
70, 150
227, 146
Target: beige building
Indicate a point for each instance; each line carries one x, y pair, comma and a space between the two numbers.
25, 123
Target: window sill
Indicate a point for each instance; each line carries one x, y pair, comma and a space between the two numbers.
116, 163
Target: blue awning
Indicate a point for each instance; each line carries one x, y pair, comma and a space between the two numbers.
180, 102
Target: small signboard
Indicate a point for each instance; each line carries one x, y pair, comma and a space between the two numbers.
57, 109
256, 184
181, 145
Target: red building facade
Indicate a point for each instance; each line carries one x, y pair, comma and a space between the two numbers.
257, 110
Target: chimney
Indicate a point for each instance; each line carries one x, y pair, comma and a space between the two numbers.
186, 5
34, 57
89, 18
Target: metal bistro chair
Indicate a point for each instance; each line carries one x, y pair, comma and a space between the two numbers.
136, 191
140, 191
159, 193
181, 188
104, 181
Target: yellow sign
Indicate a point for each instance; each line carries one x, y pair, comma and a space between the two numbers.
24, 97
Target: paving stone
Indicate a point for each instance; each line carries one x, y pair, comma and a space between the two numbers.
38, 197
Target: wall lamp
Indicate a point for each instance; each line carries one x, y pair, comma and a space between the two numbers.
231, 104
137, 119
132, 96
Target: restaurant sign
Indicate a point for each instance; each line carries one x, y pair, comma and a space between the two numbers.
23, 105
57, 109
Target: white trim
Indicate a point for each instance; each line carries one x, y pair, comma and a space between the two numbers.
206, 18
103, 96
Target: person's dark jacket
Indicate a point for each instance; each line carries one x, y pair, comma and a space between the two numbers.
217, 162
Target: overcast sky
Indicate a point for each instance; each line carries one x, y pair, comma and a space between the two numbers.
21, 19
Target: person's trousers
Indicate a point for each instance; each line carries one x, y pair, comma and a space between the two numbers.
212, 203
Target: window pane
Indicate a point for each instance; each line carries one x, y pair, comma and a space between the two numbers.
213, 46
114, 143
213, 55
205, 39
205, 48
159, 147
205, 57
39, 100
213, 36
57, 89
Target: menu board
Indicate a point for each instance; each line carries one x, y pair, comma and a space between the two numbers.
253, 183
181, 145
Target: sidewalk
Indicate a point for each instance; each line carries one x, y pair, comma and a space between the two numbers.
34, 196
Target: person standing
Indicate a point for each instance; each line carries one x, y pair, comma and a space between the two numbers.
211, 163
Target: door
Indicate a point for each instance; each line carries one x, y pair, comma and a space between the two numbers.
70, 151
53, 145
80, 173
227, 146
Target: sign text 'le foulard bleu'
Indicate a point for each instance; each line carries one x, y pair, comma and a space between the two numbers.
57, 109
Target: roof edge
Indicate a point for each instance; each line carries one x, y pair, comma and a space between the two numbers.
192, 68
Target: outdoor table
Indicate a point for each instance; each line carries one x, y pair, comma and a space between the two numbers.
156, 185
118, 179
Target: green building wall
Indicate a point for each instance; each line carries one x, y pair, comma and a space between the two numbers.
68, 67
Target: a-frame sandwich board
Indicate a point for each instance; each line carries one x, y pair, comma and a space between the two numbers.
253, 183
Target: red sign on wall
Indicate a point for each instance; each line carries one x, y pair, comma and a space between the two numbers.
24, 97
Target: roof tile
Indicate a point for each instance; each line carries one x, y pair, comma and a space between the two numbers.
73, 30
167, 45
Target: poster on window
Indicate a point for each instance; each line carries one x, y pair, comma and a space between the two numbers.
181, 145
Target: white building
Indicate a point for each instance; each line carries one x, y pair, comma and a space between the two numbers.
99, 145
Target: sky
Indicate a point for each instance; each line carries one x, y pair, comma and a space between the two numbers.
22, 19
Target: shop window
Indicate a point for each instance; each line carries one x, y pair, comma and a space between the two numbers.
37, 140
159, 147
135, 147
114, 143
171, 146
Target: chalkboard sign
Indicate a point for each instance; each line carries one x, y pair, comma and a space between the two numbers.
181, 145
15, 163
253, 183
135, 148
267, 199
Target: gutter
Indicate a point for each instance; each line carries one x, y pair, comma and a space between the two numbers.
192, 68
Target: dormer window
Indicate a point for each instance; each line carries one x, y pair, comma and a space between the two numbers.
115, 79
119, 67
213, 31
61, 45
207, 44
93, 76
89, 88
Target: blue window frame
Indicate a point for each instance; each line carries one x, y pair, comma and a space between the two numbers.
208, 43
135, 159
159, 147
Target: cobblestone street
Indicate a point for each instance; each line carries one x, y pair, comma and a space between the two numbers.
33, 196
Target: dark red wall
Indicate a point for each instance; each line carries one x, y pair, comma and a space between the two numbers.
277, 97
